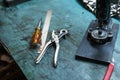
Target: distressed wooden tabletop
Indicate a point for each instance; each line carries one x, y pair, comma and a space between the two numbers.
18, 23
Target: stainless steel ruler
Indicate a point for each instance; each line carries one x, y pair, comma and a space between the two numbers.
45, 30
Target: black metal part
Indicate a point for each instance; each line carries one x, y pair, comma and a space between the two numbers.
9, 3
100, 35
103, 12
99, 40
95, 52
102, 32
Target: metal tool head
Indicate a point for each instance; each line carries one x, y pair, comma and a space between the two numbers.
40, 23
61, 34
63, 31
55, 37
53, 33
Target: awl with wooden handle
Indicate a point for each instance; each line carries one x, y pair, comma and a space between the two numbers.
36, 37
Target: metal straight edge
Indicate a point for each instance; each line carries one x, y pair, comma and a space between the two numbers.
45, 30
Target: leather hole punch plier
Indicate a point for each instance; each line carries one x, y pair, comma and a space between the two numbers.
55, 39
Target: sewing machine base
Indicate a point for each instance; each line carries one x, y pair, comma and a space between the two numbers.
95, 52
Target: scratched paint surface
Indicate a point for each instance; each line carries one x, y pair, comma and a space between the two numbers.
18, 23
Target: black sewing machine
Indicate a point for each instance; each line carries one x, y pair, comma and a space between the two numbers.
99, 40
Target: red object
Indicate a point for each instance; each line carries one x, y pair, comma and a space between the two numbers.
109, 71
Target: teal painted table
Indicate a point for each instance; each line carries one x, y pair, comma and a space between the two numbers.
18, 23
